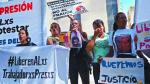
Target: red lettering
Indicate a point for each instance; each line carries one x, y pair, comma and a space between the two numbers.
29, 6
11, 9
23, 6
1, 11
16, 8
19, 9
6, 10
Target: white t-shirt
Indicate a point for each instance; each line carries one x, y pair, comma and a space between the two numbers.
123, 42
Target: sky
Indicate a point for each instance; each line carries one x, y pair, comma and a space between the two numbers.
125, 4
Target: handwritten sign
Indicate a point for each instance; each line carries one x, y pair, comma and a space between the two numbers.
122, 71
143, 34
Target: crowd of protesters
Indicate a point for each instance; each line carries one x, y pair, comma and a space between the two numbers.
121, 43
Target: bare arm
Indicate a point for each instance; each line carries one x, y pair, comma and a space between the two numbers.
71, 17
91, 43
49, 41
89, 47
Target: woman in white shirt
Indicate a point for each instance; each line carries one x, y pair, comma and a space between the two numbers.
122, 43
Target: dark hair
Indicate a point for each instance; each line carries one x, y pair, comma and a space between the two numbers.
115, 26
97, 22
55, 24
26, 31
79, 29
27, 34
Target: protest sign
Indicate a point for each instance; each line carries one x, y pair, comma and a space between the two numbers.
143, 34
15, 15
122, 71
62, 8
142, 24
39, 65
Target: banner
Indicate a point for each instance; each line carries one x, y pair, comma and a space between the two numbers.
38, 65
143, 33
122, 71
142, 23
61, 65
15, 15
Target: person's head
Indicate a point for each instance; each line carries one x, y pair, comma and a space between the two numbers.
55, 29
120, 21
23, 36
99, 24
124, 44
76, 24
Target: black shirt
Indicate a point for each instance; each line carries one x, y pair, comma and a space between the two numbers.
27, 44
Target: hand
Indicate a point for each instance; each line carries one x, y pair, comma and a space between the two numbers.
99, 60
71, 17
96, 32
74, 29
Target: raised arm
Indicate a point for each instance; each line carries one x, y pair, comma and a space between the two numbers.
91, 43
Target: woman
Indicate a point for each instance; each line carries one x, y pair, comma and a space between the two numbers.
55, 32
120, 31
24, 38
78, 62
98, 45
122, 39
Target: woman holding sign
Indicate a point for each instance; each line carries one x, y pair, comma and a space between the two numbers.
78, 62
122, 41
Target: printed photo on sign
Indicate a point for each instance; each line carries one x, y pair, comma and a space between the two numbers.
76, 40
123, 43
